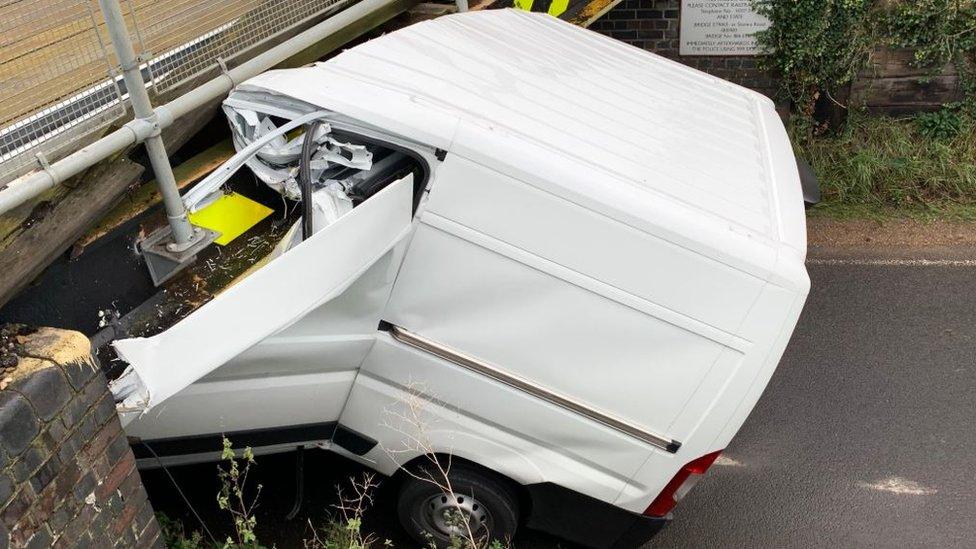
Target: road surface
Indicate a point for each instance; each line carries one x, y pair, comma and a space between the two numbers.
865, 437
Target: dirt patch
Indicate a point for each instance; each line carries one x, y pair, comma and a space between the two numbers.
903, 238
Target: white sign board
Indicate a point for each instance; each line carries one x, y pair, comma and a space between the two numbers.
719, 27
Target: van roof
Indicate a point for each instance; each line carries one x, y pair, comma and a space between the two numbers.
642, 138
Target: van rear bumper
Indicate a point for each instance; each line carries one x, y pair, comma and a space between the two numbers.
588, 521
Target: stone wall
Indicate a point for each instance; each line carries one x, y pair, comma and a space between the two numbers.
654, 25
67, 475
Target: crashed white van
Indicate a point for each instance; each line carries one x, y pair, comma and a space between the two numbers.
575, 277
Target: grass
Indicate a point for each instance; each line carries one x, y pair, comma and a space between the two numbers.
885, 168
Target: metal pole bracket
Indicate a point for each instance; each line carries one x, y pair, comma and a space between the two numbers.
165, 257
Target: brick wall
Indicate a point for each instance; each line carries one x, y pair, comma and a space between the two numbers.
67, 475
653, 25
890, 84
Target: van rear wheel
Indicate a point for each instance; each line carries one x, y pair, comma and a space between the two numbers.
479, 505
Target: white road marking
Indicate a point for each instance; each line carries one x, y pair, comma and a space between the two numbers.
896, 262
898, 485
728, 462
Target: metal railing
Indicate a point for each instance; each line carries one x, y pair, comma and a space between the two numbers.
60, 78
56, 79
187, 37
171, 248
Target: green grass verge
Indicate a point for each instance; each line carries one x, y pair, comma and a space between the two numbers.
885, 168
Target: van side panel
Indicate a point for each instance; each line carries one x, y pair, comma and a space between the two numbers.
625, 323
715, 416
412, 402
598, 246
563, 337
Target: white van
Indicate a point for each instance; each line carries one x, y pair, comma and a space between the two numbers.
571, 271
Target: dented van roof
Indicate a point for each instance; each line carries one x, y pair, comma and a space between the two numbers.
665, 148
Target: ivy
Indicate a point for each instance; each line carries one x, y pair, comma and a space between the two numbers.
939, 31
818, 46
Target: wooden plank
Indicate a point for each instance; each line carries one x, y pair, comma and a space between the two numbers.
87, 198
895, 63
583, 14
906, 91
578, 12
892, 83
147, 195
45, 240
347, 34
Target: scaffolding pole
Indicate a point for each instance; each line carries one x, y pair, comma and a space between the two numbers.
183, 234
169, 249
136, 131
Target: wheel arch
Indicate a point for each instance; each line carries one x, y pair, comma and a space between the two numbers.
448, 459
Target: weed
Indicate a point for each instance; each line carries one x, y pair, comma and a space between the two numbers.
175, 537
942, 124
410, 418
342, 532
894, 164
345, 532
231, 498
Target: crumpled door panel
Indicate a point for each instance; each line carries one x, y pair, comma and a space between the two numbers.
272, 298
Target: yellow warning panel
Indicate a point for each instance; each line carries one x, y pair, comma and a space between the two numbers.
230, 215
557, 7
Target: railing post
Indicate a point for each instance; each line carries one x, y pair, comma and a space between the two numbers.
165, 253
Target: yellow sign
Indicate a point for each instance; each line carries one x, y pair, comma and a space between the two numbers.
556, 8
230, 215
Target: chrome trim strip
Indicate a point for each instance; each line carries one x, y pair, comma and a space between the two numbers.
521, 384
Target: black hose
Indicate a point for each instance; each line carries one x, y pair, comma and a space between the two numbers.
299, 482
305, 177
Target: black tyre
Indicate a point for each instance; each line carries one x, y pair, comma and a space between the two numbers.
485, 501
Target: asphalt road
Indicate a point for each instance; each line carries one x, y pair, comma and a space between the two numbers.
865, 437
866, 434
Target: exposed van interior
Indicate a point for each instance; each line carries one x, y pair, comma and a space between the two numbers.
343, 169
346, 170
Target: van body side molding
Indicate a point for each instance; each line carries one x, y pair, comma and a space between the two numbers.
526, 386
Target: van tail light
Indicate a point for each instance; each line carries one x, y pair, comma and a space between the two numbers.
682, 483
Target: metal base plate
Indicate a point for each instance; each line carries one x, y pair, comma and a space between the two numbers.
164, 263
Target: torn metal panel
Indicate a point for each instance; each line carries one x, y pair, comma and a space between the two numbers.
197, 197
275, 158
272, 298
328, 205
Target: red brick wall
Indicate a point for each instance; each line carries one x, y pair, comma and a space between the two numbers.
67, 475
